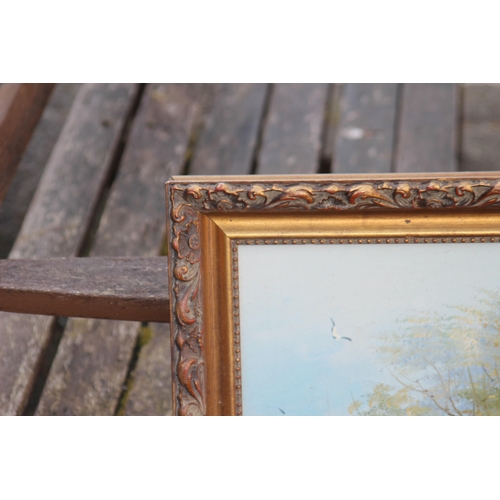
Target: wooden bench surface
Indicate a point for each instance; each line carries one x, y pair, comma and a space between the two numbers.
99, 158
21, 105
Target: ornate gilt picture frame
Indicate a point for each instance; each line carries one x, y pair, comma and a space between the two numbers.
359, 226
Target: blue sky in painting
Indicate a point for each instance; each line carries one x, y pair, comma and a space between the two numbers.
288, 294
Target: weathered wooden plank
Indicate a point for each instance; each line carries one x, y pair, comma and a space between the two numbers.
21, 105
30, 169
427, 128
150, 385
132, 288
132, 223
57, 221
365, 138
291, 142
481, 102
75, 387
76, 173
149, 390
480, 144
230, 133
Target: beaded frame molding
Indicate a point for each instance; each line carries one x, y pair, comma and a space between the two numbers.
466, 209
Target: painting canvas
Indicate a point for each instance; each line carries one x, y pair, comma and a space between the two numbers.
370, 329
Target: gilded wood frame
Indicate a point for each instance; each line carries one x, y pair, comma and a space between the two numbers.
209, 216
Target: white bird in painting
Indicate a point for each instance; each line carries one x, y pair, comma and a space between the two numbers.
335, 335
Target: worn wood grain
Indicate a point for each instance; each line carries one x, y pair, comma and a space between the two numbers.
427, 128
76, 173
480, 144
150, 390
229, 135
58, 219
291, 142
21, 105
365, 137
30, 169
133, 288
132, 224
76, 387
481, 102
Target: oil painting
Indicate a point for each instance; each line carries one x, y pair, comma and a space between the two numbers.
367, 329
330, 295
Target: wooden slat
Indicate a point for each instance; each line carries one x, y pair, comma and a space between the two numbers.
229, 135
133, 223
58, 219
150, 390
291, 142
21, 105
30, 169
236, 113
427, 128
365, 136
480, 145
134, 288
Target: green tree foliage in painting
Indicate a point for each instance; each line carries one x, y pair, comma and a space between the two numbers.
441, 365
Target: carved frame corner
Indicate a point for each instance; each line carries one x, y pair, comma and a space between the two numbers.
188, 197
